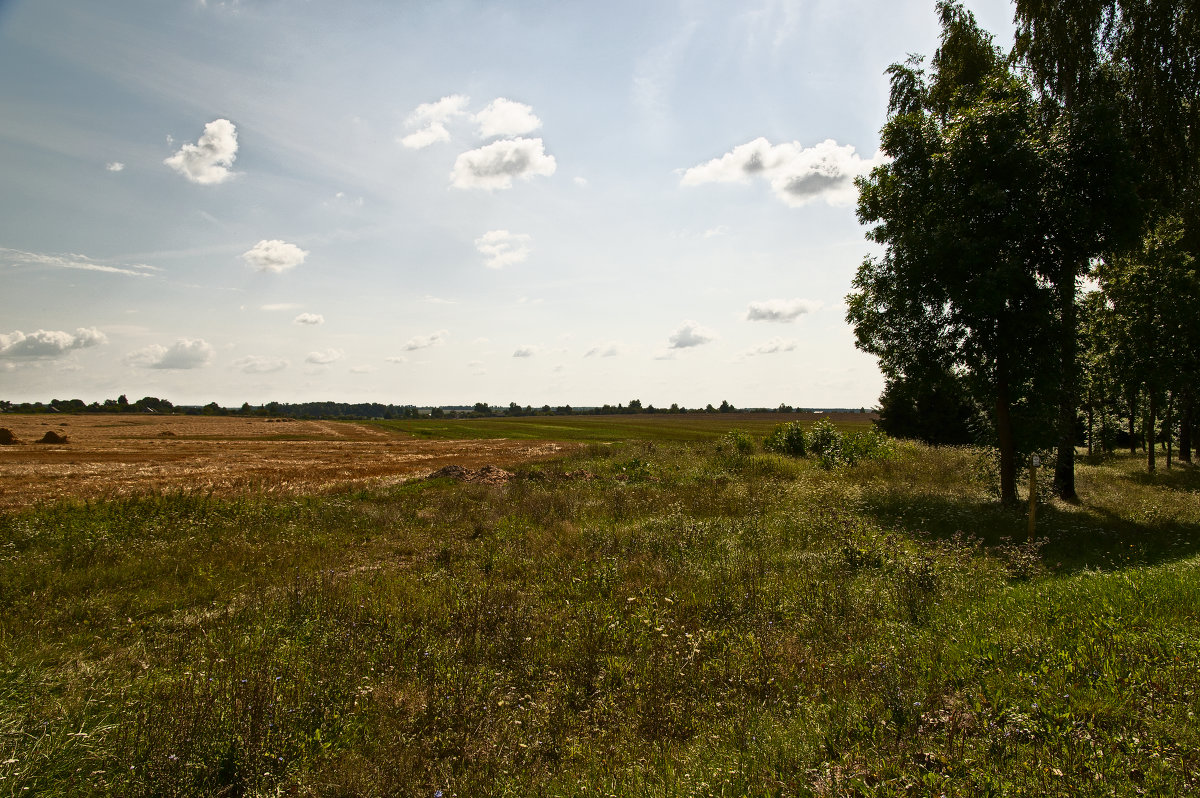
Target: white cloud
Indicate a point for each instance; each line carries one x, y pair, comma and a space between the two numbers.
425, 341
502, 248
280, 306
433, 300
183, 354
362, 369
274, 256
772, 347
780, 310
526, 351
691, 334
114, 166
207, 161
431, 119
610, 349
256, 364
495, 165
324, 357
713, 232
73, 261
582, 182
797, 174
309, 318
396, 359
504, 117
48, 343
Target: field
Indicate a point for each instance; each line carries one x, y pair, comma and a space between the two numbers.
107, 456
653, 618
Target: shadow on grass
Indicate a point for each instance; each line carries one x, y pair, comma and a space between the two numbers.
1078, 538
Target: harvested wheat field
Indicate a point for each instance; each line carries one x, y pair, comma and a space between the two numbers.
105, 456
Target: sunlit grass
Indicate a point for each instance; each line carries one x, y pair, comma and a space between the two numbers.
661, 619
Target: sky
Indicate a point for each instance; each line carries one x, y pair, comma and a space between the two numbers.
442, 203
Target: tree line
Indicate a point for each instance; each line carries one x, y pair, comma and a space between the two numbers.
1038, 231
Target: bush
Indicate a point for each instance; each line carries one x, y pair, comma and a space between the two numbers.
738, 443
835, 449
786, 439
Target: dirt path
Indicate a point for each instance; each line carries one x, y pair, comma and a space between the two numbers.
108, 455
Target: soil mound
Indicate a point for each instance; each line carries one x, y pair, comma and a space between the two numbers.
166, 434
488, 475
7, 438
53, 437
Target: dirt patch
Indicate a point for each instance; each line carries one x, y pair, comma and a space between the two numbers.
7, 438
52, 437
488, 475
113, 455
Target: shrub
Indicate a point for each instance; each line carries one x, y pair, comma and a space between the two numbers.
786, 439
737, 442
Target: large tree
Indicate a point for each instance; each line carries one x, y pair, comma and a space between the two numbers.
1151, 50
960, 212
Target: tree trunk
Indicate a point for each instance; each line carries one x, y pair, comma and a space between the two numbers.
1004, 439
1064, 466
1132, 416
1150, 441
1091, 413
1167, 428
1185, 429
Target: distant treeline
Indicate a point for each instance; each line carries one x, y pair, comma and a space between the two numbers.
362, 410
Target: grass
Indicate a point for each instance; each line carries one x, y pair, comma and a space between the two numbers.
642, 427
645, 618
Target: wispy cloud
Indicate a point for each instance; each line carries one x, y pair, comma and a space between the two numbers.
425, 341
114, 166
772, 347
780, 310
256, 364
527, 351
502, 248
609, 349
15, 257
431, 119
208, 161
324, 357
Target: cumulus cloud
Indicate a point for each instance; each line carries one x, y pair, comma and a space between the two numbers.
256, 364
396, 359
208, 160
309, 318
502, 248
494, 166
690, 334
44, 344
610, 349
324, 357
274, 256
780, 310
504, 117
114, 166
431, 119
772, 347
73, 261
526, 351
425, 341
185, 353
797, 174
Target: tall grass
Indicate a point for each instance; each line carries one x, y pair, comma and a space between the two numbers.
661, 619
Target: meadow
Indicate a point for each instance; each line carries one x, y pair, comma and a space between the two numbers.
646, 617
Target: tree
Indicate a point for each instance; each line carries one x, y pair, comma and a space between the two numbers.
1149, 49
959, 210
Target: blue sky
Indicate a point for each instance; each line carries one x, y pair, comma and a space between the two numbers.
441, 203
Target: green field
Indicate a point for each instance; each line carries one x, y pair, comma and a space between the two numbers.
656, 427
659, 618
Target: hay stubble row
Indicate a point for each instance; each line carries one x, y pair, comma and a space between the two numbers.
110, 456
